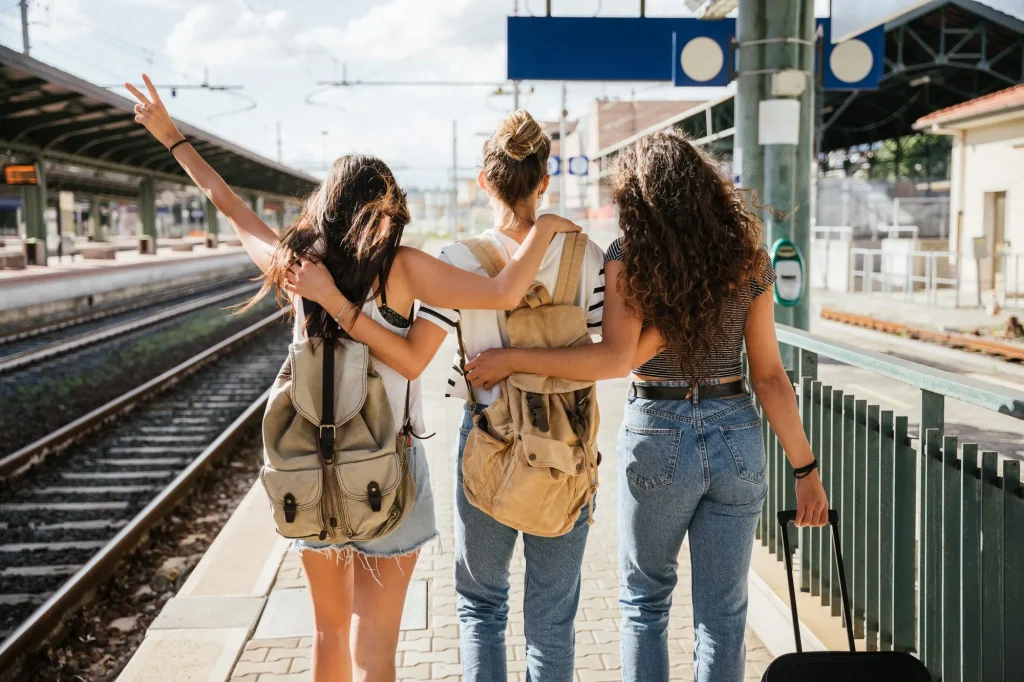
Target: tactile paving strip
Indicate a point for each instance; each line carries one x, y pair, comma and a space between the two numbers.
209, 613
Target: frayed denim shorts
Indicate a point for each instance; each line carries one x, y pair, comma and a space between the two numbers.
417, 528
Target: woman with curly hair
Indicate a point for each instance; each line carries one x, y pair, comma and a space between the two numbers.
692, 283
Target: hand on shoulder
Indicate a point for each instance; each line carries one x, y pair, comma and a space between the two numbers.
556, 224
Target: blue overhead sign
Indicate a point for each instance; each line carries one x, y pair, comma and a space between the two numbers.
703, 58
597, 48
688, 52
854, 64
554, 165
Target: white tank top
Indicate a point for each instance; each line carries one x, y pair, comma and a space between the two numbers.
394, 383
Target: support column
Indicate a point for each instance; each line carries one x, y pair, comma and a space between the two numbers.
147, 216
33, 207
789, 32
211, 223
748, 159
95, 224
806, 159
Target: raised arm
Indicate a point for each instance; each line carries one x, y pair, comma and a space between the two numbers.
257, 238
775, 393
613, 356
442, 284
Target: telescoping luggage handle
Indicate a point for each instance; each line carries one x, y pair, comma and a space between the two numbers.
788, 516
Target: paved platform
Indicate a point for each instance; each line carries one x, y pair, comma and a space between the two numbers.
75, 284
248, 565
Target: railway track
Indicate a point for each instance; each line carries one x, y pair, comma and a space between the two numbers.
1008, 351
76, 502
28, 347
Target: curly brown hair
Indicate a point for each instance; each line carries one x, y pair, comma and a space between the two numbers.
690, 242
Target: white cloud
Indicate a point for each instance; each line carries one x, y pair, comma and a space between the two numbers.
220, 34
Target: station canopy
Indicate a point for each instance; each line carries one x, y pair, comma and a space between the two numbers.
91, 133
938, 54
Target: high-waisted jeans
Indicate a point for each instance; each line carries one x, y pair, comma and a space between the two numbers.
694, 468
483, 554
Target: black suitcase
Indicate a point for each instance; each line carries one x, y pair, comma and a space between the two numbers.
837, 666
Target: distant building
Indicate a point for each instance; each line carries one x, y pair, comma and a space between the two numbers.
986, 179
605, 124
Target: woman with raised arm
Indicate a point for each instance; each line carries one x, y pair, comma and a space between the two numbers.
347, 239
515, 177
691, 285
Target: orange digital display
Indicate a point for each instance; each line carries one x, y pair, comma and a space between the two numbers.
20, 175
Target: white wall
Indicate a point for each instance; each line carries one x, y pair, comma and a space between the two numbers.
985, 159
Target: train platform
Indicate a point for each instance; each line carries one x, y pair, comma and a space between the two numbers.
244, 614
74, 284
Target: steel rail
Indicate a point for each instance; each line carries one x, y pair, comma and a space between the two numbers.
34, 453
34, 355
44, 620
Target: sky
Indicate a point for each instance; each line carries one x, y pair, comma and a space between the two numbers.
280, 51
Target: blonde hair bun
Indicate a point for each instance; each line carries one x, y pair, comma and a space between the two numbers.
519, 135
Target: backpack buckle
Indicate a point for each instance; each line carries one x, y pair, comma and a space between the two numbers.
325, 438
538, 411
289, 508
373, 495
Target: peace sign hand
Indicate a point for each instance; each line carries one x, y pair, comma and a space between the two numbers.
151, 112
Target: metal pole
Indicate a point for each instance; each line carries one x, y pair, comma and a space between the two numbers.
515, 95
453, 219
279, 142
748, 158
24, 27
563, 162
806, 166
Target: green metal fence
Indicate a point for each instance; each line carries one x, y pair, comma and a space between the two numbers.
932, 531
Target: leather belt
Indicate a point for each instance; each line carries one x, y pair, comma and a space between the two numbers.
731, 389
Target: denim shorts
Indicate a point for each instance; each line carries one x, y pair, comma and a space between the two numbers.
417, 528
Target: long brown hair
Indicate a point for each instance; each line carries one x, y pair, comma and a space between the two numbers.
353, 223
690, 242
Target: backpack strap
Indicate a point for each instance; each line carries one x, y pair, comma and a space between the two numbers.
574, 250
470, 397
407, 429
484, 250
325, 432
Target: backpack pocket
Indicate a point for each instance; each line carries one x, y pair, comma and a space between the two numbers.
372, 496
295, 499
485, 464
547, 490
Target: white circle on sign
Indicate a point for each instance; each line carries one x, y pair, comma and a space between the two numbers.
552, 165
851, 61
702, 59
578, 165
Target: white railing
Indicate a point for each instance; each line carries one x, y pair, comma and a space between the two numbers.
899, 272
1013, 287
873, 270
832, 232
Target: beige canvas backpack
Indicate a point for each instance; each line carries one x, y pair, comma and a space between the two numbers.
336, 465
531, 458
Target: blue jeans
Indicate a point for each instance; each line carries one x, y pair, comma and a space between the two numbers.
483, 554
697, 468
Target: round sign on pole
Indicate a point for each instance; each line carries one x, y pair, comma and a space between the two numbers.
554, 165
579, 165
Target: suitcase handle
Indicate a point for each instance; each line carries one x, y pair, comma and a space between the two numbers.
787, 516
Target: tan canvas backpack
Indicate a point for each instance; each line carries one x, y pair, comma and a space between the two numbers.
336, 465
531, 458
